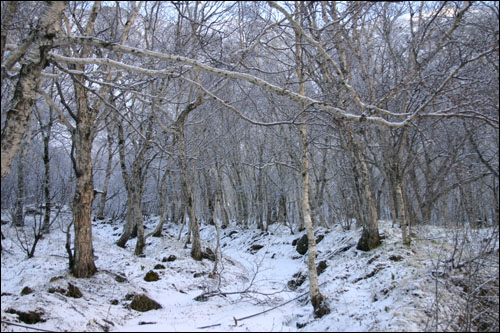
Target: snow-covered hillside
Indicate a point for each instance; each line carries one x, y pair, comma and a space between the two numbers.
392, 288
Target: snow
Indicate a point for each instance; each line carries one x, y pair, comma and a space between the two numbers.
366, 291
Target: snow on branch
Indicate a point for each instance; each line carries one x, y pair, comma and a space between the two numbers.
281, 91
311, 102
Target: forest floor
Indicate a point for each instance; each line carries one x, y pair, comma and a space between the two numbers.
392, 288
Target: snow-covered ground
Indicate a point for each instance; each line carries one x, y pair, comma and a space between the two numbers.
391, 288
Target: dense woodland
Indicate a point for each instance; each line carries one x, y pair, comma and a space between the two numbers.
306, 114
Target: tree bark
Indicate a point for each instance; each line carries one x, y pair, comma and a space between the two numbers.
84, 265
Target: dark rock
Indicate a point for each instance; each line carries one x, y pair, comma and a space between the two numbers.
120, 278
159, 266
322, 265
114, 302
201, 298
55, 278
30, 317
200, 274
143, 303
151, 276
73, 291
26, 291
208, 254
319, 238
372, 259
57, 290
294, 242
375, 270
396, 258
170, 258
298, 280
255, 247
302, 245
301, 325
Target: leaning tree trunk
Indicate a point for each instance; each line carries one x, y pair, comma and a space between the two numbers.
17, 118
317, 300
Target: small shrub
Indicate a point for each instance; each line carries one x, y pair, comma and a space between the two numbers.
30, 317
151, 276
73, 291
143, 303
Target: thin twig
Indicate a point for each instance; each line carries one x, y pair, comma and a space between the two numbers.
30, 327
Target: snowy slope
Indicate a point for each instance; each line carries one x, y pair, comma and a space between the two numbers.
388, 289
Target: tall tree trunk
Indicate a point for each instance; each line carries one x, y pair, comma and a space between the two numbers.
163, 204
402, 211
242, 199
21, 191
134, 183
46, 163
317, 300
130, 219
104, 194
260, 191
82, 140
188, 192
282, 210
370, 238
18, 219
210, 197
220, 198
83, 265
